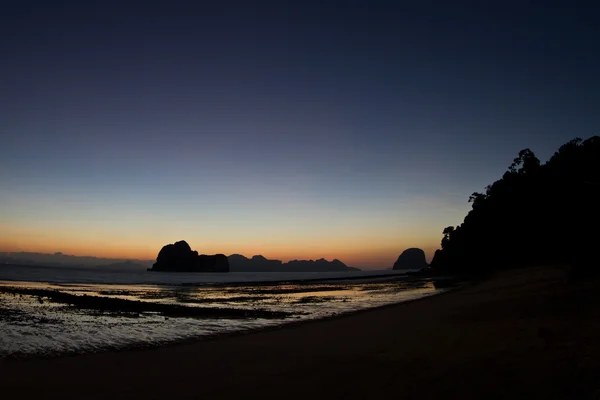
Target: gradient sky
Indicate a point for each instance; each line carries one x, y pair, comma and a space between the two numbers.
336, 129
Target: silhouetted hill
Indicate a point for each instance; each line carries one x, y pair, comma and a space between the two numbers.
534, 214
179, 257
239, 263
412, 258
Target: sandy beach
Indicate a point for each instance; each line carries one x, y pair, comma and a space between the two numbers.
520, 334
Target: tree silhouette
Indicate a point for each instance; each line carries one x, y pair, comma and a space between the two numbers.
526, 162
447, 232
534, 214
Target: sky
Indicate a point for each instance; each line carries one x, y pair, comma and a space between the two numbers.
295, 130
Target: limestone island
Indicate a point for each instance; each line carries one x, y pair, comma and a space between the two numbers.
412, 258
179, 257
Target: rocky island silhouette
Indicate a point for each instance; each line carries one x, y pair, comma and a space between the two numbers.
412, 258
179, 257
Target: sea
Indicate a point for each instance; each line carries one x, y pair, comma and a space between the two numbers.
52, 311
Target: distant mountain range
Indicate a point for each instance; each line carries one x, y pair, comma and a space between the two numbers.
64, 260
237, 263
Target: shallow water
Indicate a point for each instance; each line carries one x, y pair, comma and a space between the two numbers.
33, 323
95, 275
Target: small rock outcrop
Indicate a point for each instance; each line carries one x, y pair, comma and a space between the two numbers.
179, 257
411, 259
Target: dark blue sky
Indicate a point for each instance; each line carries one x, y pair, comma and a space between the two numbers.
348, 129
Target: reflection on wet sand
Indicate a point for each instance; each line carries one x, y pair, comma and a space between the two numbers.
46, 319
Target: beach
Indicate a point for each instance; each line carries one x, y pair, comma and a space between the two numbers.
524, 333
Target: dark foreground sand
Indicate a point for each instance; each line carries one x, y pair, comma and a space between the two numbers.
522, 334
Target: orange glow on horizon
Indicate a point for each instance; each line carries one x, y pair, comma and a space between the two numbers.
364, 250
383, 258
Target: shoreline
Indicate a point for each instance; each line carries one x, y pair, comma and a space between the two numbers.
291, 321
523, 333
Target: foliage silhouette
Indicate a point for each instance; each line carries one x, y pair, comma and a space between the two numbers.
534, 214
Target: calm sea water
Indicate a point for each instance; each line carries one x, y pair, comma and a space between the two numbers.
34, 321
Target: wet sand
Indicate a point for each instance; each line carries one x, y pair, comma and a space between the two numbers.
521, 334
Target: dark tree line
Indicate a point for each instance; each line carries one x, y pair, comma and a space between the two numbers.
535, 214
